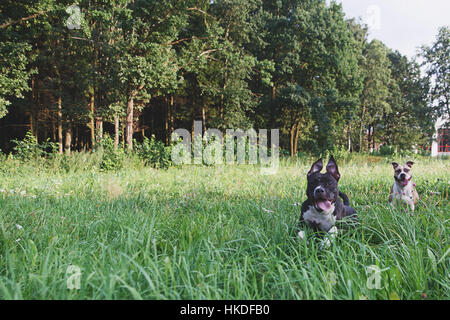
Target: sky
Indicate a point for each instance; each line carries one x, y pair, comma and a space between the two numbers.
402, 25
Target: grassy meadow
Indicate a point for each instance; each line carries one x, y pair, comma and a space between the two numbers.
226, 232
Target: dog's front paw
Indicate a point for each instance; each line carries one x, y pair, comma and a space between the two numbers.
301, 234
325, 243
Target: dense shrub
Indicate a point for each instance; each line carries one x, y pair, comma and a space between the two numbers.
154, 153
29, 148
113, 157
386, 150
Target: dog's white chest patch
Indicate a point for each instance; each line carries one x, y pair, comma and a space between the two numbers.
404, 194
323, 220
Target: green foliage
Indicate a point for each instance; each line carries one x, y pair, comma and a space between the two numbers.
154, 153
29, 149
437, 63
14, 74
411, 120
113, 157
299, 66
386, 150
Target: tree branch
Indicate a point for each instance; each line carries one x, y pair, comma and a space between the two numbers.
6, 24
206, 52
186, 39
200, 10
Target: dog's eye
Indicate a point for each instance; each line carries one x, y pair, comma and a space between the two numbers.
406, 170
398, 171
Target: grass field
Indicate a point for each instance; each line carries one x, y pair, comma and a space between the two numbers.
217, 233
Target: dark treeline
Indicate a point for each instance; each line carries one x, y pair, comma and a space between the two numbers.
73, 71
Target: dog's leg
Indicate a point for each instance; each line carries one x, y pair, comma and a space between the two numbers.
393, 202
411, 202
391, 196
395, 198
330, 235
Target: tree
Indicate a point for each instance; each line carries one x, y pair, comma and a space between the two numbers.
148, 62
375, 95
410, 120
14, 74
15, 50
437, 62
313, 48
295, 102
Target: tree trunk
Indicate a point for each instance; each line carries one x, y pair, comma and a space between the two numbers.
99, 129
361, 124
32, 123
124, 133
116, 131
166, 121
172, 115
33, 108
60, 127
129, 129
53, 129
92, 121
68, 139
222, 96
152, 123
373, 138
77, 136
349, 137
36, 126
272, 109
170, 120
142, 125
204, 118
296, 138
292, 138
193, 119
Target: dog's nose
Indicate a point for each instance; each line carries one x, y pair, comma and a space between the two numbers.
318, 191
402, 175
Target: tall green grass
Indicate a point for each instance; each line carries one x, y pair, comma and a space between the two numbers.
226, 232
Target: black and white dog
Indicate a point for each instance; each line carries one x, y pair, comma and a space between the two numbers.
323, 207
403, 188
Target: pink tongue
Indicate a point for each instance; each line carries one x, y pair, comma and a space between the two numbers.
324, 205
404, 182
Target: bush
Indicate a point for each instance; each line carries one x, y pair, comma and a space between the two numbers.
112, 158
30, 149
341, 154
154, 153
386, 150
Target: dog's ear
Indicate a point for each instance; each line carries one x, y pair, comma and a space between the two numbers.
332, 168
316, 167
395, 165
410, 163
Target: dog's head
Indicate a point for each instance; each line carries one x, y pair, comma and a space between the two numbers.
402, 174
322, 189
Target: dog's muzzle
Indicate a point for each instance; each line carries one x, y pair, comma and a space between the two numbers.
321, 203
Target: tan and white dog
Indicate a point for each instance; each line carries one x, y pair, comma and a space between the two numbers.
403, 188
